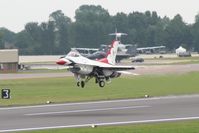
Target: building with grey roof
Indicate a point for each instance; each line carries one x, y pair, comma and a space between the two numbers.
9, 59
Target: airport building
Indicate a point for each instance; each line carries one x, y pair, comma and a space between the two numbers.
9, 59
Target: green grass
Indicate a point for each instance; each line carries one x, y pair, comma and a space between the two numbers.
165, 127
57, 90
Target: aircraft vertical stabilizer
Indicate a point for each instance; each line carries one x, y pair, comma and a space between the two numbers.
111, 54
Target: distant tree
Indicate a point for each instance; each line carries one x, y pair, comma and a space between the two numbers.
150, 34
35, 32
137, 22
48, 38
24, 43
177, 33
6, 36
120, 21
153, 32
1, 40
145, 28
197, 18
154, 18
62, 26
92, 26
195, 33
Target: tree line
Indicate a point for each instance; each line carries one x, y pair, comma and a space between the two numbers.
91, 28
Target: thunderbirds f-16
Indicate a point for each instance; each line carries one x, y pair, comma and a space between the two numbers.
103, 70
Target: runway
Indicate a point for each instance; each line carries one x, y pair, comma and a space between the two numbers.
114, 112
9, 76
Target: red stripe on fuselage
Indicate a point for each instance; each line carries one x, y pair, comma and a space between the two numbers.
104, 60
112, 45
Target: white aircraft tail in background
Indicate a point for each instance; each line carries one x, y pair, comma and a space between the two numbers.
118, 35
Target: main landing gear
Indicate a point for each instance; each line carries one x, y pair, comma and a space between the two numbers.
82, 83
100, 81
82, 80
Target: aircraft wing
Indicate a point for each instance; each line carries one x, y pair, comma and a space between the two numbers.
111, 67
129, 73
118, 68
88, 62
85, 49
107, 66
150, 48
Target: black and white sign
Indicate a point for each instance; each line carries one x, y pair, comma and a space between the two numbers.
5, 93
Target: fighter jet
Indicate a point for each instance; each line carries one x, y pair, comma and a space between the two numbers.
103, 70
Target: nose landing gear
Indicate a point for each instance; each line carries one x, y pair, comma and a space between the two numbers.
81, 83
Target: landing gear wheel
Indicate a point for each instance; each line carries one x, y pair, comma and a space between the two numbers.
101, 83
78, 84
82, 84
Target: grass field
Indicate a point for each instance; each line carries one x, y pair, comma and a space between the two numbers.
57, 90
167, 127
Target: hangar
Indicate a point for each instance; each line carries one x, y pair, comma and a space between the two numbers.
9, 59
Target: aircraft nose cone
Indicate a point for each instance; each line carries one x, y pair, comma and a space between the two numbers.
60, 62
63, 61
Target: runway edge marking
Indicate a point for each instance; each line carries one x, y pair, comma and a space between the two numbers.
101, 102
100, 124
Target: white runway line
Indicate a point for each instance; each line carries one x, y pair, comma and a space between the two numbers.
101, 102
86, 110
100, 124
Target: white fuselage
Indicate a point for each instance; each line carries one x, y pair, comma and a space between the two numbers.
85, 66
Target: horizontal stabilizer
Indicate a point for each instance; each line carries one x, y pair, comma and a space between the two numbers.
130, 73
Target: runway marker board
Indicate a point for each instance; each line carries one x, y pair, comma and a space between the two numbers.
5, 93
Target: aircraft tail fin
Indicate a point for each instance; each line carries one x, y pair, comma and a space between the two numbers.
111, 54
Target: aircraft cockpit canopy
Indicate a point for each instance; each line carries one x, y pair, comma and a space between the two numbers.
73, 54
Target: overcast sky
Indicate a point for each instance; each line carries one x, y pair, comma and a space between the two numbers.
14, 14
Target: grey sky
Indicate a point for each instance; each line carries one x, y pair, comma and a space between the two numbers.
14, 14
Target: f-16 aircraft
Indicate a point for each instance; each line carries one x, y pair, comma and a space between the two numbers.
103, 70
